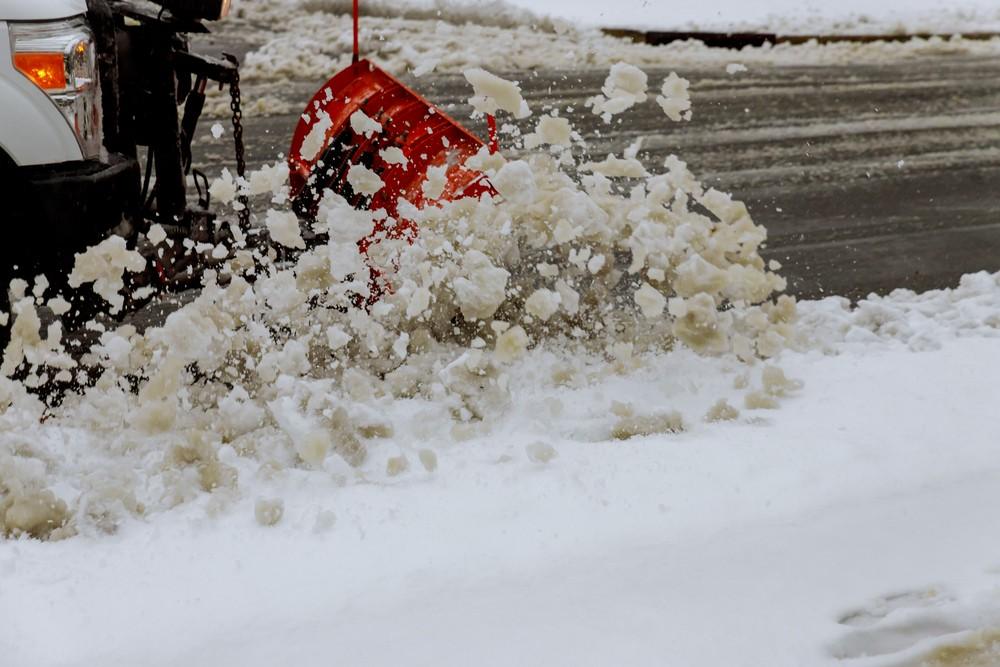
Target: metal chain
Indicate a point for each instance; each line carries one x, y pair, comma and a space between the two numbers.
241, 164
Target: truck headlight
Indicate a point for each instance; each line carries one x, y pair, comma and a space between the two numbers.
59, 57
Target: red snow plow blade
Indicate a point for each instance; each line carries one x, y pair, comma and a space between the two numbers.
426, 136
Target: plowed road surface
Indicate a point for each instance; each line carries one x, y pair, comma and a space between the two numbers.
868, 177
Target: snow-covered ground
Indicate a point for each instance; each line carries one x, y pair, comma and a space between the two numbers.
856, 519
784, 17
579, 429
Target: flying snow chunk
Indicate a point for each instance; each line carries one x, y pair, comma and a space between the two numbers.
695, 275
363, 180
627, 81
564, 231
345, 260
650, 301
344, 223
337, 338
115, 349
615, 167
269, 178
401, 347
516, 182
433, 185
511, 344
543, 303
104, 265
675, 99
551, 130
492, 93
393, 155
362, 124
316, 139
420, 300
223, 188
723, 206
17, 289
481, 289
419, 303
156, 234
624, 88
217, 130
569, 298
547, 270
41, 284
425, 67
284, 229
59, 305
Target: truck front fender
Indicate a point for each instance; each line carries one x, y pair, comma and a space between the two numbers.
32, 131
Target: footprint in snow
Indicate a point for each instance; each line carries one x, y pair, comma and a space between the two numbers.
921, 628
881, 607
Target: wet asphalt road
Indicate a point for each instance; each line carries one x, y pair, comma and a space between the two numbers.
867, 177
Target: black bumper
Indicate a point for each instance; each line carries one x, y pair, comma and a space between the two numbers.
67, 206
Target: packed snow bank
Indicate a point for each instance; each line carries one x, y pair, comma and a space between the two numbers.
788, 17
921, 321
299, 44
784, 17
499, 13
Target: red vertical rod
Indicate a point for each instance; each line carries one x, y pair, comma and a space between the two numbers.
356, 56
491, 122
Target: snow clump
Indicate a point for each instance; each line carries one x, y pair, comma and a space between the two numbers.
551, 130
674, 98
491, 93
104, 265
364, 125
315, 140
624, 88
364, 180
284, 229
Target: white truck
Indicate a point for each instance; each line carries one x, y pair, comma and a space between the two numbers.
97, 96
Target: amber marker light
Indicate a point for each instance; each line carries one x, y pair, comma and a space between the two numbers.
47, 70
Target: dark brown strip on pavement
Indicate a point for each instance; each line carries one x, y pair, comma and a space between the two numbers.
738, 40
